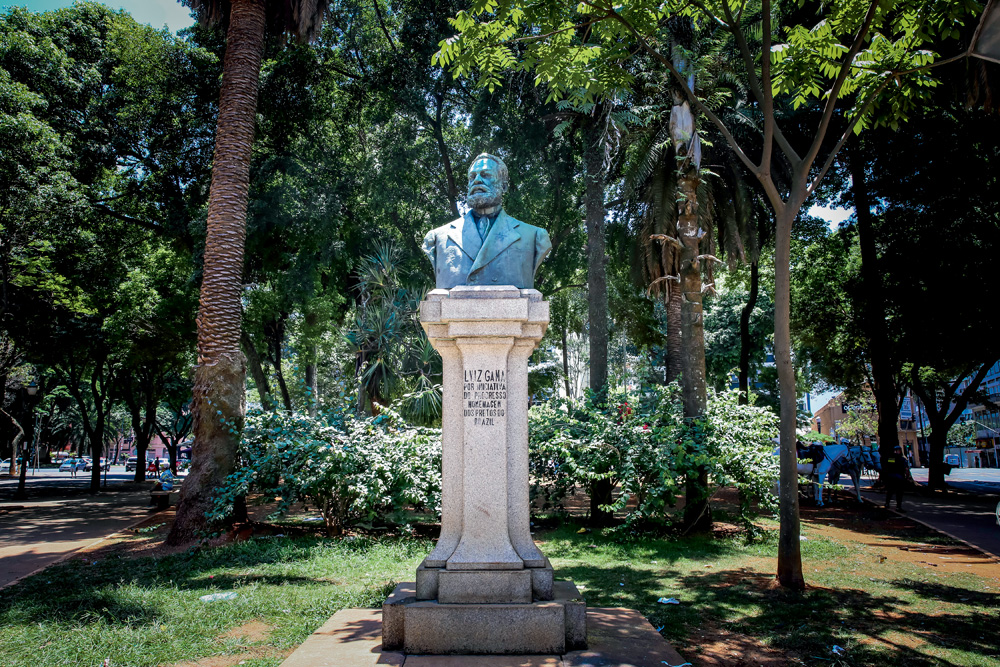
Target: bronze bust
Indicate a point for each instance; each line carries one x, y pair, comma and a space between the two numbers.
486, 246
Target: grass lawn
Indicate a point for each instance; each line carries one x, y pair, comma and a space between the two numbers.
885, 590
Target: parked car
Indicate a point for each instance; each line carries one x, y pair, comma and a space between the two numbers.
953, 460
104, 465
131, 464
5, 466
69, 465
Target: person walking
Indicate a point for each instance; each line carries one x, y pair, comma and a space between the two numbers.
897, 474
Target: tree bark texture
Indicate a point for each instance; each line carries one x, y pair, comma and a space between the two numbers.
597, 294
597, 281
873, 304
675, 354
789, 548
220, 376
693, 390
745, 343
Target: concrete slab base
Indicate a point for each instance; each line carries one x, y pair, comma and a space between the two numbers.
616, 638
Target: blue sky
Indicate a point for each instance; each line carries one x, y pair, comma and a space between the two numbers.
156, 13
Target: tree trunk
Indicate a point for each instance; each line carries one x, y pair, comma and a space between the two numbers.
286, 398
142, 437
789, 548
274, 331
675, 355
942, 416
311, 360
312, 385
597, 283
29, 440
257, 372
873, 303
437, 123
218, 390
935, 467
96, 450
601, 492
565, 360
745, 344
693, 390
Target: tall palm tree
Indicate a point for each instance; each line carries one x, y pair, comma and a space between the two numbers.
219, 403
681, 206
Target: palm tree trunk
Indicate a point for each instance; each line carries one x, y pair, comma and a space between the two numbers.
219, 379
675, 354
694, 392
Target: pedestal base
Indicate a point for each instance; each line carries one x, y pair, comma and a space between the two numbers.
532, 584
438, 628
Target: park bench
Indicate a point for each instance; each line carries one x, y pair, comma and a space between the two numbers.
161, 499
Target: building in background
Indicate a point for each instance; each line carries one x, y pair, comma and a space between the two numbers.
829, 420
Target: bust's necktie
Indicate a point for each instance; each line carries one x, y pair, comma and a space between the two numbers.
483, 224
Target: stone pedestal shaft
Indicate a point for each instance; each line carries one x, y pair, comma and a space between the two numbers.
485, 588
485, 336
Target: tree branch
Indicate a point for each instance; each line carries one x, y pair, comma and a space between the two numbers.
838, 84
385, 31
555, 32
843, 139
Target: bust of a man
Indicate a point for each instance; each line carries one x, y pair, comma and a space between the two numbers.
486, 246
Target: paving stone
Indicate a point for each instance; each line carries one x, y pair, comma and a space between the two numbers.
351, 638
621, 638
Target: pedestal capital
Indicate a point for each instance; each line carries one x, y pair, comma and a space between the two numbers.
493, 311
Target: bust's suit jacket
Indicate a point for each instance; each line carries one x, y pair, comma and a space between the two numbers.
510, 255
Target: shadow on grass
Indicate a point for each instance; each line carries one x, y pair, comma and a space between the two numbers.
131, 593
914, 623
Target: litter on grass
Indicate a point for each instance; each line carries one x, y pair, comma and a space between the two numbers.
213, 597
669, 601
836, 650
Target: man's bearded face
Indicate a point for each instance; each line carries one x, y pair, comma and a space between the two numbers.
485, 187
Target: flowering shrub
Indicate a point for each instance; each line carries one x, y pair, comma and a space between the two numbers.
645, 447
348, 468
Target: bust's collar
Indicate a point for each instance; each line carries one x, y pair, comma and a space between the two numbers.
492, 213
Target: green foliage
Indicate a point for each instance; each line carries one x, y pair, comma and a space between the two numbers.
861, 420
722, 330
349, 469
583, 51
643, 445
962, 434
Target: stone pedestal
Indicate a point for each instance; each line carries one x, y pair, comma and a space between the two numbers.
485, 588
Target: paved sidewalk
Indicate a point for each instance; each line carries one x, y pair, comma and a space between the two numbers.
36, 534
968, 516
